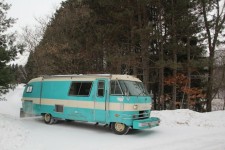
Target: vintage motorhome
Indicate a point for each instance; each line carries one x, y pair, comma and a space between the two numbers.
120, 101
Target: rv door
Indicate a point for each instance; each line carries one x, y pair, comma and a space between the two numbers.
101, 97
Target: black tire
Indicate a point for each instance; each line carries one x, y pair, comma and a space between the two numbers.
48, 119
119, 128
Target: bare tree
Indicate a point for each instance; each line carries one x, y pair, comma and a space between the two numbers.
31, 37
213, 19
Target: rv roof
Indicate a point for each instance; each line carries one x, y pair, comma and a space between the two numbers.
85, 77
125, 77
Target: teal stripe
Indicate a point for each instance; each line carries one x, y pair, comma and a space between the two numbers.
59, 90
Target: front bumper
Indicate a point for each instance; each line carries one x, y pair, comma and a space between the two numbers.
146, 123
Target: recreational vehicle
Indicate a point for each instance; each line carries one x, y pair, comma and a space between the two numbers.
119, 101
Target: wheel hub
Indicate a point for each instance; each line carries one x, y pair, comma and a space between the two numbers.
119, 127
47, 117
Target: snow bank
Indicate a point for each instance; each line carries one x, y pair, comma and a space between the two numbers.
185, 117
12, 133
217, 104
11, 102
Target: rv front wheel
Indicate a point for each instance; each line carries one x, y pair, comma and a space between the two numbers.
48, 119
119, 128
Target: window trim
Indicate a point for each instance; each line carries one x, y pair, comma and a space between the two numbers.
119, 87
79, 89
29, 89
142, 86
102, 89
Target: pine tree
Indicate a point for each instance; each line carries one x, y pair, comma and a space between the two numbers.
176, 31
8, 50
151, 39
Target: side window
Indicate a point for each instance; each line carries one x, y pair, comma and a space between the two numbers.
80, 88
115, 88
101, 87
29, 89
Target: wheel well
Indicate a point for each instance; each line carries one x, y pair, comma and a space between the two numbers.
43, 114
110, 125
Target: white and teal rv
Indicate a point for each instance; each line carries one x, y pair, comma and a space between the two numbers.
120, 101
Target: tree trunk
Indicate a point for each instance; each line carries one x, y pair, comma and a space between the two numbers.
210, 82
144, 44
161, 69
174, 90
224, 103
188, 72
161, 88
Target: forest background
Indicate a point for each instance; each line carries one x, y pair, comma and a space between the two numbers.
175, 47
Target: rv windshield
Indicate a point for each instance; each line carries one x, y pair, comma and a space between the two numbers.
133, 88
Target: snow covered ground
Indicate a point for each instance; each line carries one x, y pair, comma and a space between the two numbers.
179, 129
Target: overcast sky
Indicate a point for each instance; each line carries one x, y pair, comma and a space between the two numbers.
25, 11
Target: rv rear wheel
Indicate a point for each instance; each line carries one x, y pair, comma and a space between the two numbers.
119, 128
48, 119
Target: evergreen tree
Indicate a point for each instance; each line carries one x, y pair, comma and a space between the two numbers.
8, 50
151, 39
177, 29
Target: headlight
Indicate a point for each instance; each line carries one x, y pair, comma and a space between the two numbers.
135, 107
